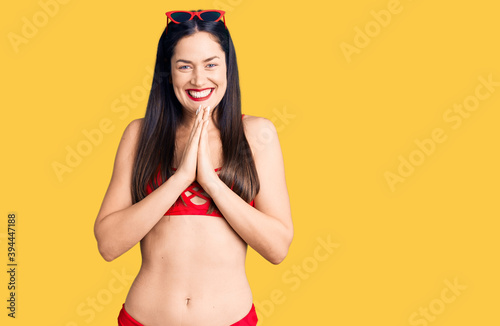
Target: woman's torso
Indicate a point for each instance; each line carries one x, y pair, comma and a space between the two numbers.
193, 271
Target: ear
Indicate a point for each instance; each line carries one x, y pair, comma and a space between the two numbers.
170, 79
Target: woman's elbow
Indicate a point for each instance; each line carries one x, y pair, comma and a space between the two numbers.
102, 246
280, 255
277, 258
105, 248
106, 253
281, 252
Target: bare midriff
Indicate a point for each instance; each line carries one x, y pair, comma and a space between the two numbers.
192, 273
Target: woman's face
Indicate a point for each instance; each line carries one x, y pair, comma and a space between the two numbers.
199, 71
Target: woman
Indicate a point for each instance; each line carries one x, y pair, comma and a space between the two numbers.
218, 175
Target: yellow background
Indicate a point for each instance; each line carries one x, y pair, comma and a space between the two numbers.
344, 121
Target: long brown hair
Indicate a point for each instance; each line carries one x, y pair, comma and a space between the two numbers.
156, 145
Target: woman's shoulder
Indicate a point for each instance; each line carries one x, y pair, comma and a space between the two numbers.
257, 125
135, 125
259, 131
133, 128
131, 135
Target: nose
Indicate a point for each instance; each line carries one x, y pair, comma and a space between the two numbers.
199, 78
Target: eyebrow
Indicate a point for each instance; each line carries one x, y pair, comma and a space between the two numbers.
206, 60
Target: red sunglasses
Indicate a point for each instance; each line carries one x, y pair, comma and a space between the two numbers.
180, 16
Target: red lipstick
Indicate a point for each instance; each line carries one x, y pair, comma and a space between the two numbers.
197, 99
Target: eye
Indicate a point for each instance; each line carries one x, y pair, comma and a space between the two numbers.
184, 67
211, 65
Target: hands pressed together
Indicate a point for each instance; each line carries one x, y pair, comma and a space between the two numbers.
196, 163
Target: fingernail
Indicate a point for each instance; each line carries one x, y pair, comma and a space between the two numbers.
199, 108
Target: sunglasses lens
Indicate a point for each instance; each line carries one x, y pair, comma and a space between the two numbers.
210, 15
181, 17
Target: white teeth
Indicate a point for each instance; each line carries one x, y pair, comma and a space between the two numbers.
200, 94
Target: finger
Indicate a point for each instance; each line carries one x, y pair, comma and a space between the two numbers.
202, 118
204, 133
197, 129
206, 113
196, 123
206, 118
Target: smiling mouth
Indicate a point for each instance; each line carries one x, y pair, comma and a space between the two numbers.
198, 94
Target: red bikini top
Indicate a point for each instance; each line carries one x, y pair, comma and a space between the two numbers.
193, 192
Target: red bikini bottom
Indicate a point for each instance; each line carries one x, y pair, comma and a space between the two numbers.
124, 319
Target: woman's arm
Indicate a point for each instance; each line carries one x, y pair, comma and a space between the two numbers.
268, 227
119, 224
